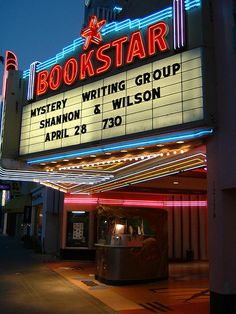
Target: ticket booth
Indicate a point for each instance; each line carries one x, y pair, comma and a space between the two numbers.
132, 245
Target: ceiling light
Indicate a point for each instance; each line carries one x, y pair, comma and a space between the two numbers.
180, 142
175, 182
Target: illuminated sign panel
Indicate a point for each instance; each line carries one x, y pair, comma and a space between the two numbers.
163, 93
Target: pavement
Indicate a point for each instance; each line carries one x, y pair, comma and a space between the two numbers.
185, 292
29, 286
39, 284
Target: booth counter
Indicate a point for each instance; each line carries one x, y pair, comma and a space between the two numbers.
132, 246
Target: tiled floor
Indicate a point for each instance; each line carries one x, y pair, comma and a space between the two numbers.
185, 292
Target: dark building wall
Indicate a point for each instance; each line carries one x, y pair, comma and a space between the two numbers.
130, 8
135, 8
221, 153
225, 60
103, 9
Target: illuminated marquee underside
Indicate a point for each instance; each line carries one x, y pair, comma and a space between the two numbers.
82, 181
149, 169
59, 177
161, 94
153, 171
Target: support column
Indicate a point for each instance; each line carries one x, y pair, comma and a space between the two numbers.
52, 211
221, 156
222, 247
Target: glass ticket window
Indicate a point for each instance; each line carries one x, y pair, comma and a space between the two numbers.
123, 228
77, 229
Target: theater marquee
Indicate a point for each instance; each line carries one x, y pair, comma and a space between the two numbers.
160, 94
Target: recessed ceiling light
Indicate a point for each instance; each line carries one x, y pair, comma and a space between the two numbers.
141, 148
78, 157
123, 151
42, 164
107, 153
93, 156
180, 142
160, 145
65, 159
175, 182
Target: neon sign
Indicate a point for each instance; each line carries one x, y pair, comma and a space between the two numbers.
179, 24
177, 12
92, 33
85, 67
11, 63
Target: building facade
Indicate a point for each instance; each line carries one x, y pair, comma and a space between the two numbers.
130, 128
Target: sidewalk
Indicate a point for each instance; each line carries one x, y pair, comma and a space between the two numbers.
185, 292
37, 284
29, 286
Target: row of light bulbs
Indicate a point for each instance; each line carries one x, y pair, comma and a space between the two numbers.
137, 158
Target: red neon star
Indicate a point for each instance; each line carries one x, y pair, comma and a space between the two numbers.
92, 33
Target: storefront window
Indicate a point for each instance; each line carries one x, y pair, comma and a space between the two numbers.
77, 229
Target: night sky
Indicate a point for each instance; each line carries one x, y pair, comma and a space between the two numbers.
38, 30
